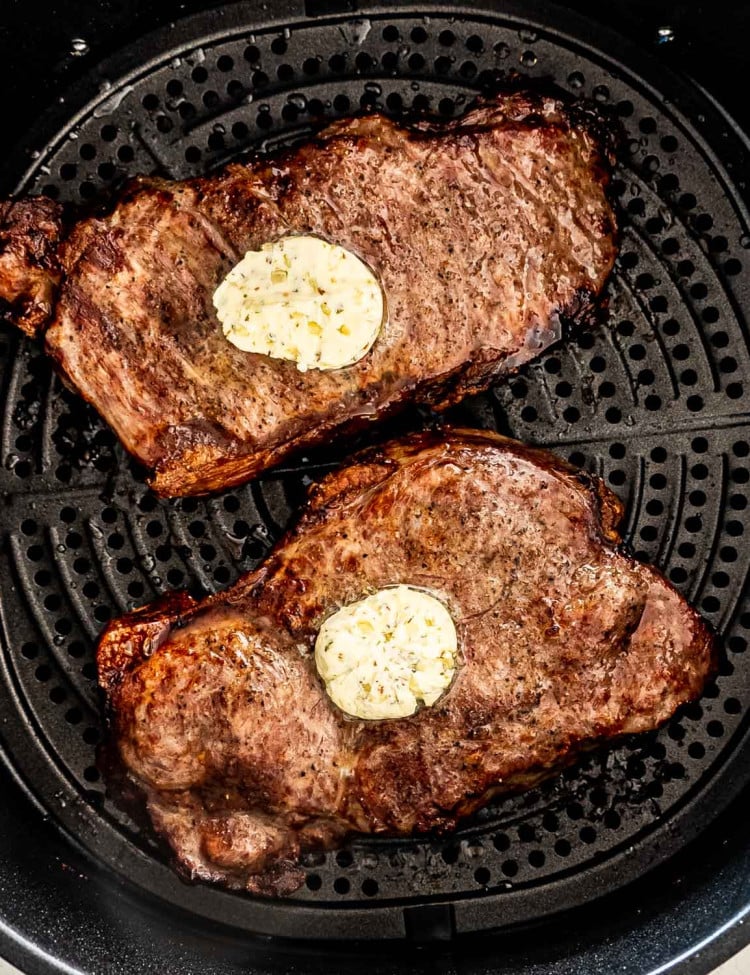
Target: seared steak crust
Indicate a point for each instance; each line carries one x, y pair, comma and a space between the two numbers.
565, 642
485, 231
30, 233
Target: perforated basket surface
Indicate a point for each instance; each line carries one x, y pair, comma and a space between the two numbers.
656, 401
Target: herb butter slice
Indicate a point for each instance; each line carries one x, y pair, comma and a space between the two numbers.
303, 299
388, 654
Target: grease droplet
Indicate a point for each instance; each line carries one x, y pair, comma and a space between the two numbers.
79, 47
665, 35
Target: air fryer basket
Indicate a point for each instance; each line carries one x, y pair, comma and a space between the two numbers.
657, 402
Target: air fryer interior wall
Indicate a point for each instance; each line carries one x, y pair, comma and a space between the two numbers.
656, 404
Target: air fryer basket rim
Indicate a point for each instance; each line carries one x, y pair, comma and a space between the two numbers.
695, 926
543, 13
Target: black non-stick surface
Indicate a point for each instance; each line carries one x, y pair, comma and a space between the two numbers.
655, 403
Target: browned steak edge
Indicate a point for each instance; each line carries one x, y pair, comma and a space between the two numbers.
31, 232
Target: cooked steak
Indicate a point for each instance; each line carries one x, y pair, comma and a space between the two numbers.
485, 233
218, 712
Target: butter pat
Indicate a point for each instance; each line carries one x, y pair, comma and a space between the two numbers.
387, 654
303, 299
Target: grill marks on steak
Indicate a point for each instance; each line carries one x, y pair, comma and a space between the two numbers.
485, 231
219, 715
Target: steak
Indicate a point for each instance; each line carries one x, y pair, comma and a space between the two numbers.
218, 713
487, 233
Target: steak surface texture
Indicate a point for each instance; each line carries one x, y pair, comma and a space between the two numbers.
218, 714
487, 233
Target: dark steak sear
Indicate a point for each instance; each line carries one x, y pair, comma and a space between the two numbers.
218, 712
484, 231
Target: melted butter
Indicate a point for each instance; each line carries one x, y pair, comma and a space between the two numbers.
302, 299
388, 654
